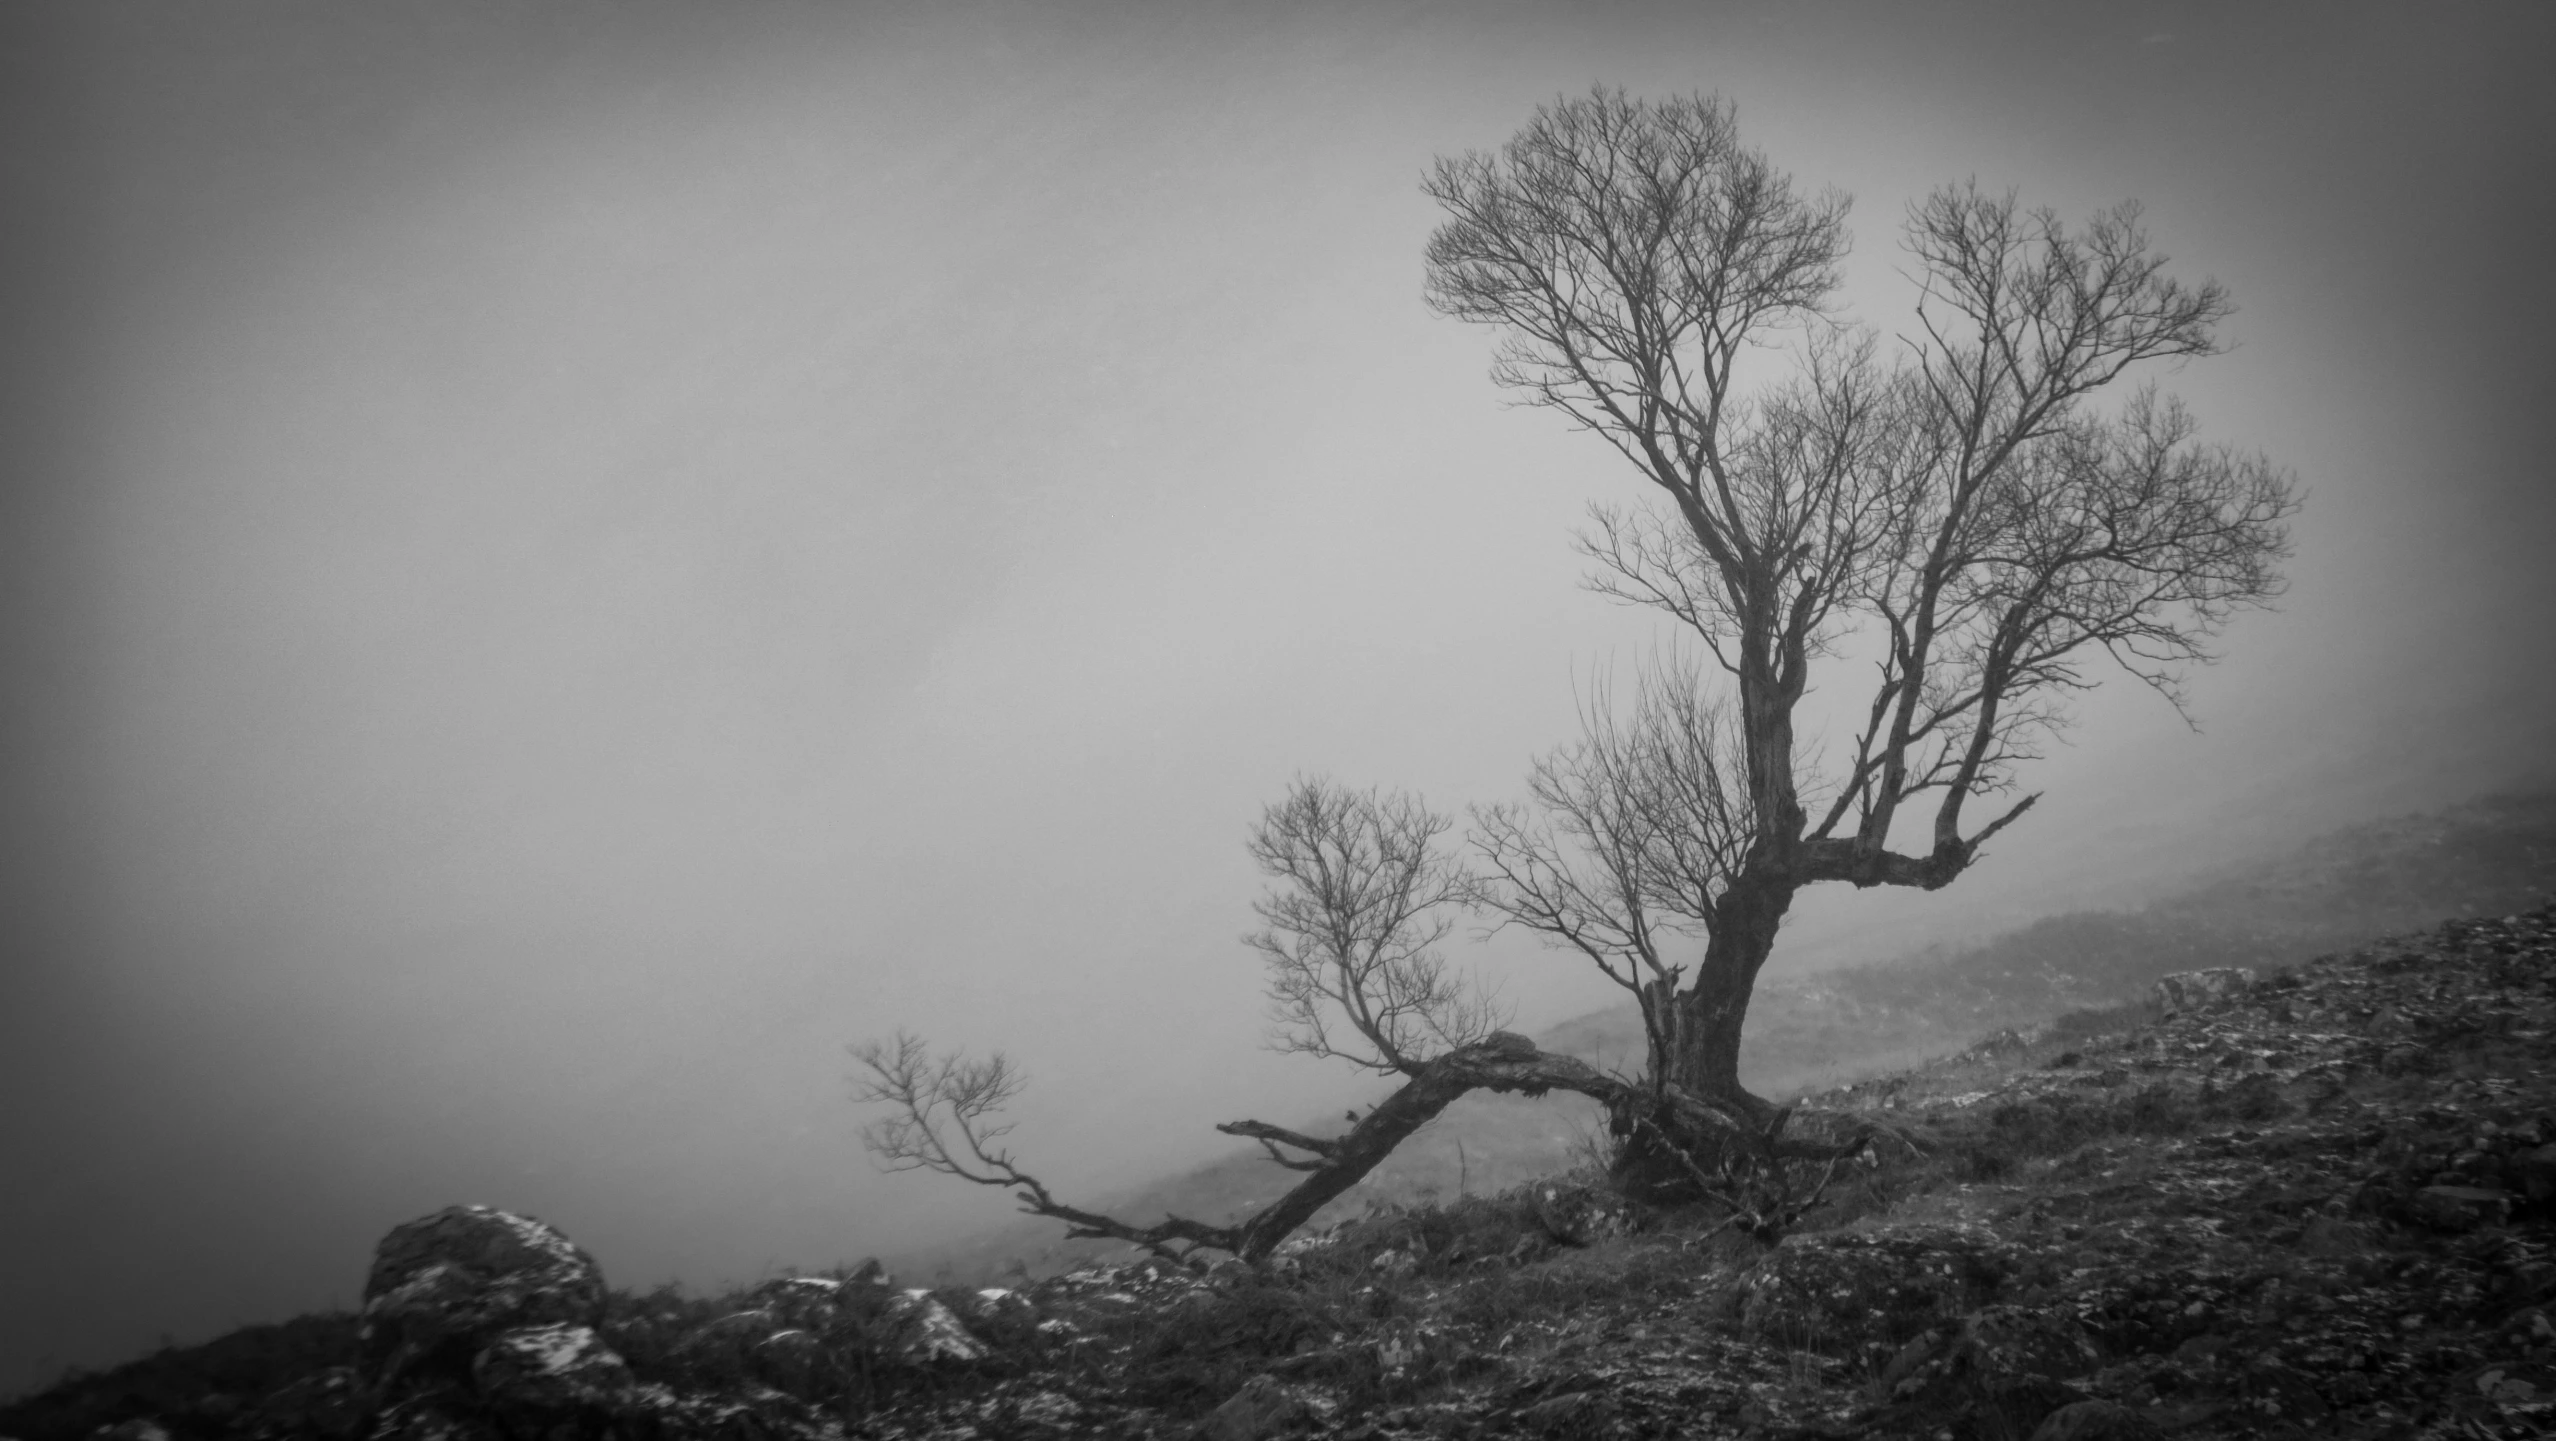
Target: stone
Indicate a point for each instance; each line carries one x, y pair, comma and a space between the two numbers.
803, 1320
929, 1333
1263, 1408
444, 1286
997, 1314
554, 1368
2192, 990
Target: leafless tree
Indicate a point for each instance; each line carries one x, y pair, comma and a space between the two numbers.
1958, 520
1964, 520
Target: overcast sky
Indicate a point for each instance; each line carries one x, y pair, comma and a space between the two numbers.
564, 562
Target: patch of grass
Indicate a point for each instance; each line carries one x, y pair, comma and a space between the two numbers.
1192, 1354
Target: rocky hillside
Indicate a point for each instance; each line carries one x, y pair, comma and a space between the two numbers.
2494, 856
2313, 1202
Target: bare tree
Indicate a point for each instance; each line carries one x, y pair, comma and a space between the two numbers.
1964, 521
1961, 523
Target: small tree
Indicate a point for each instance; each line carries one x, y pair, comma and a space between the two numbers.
1351, 931
1966, 525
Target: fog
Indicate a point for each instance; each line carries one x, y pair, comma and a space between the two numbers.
564, 563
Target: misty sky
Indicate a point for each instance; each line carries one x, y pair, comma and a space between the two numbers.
564, 562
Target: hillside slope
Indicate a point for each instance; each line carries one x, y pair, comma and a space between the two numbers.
2489, 857
2318, 1205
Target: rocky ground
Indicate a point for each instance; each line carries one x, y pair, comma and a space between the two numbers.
2315, 1203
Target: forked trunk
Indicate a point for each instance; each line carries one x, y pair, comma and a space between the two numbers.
1713, 1010
1697, 1048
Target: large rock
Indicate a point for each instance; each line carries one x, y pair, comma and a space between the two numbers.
445, 1286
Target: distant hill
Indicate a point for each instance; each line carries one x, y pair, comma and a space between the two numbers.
2488, 857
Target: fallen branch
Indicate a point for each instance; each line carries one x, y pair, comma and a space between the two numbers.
942, 1112
942, 1120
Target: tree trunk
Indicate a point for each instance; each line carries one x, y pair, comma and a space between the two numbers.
1698, 1112
1712, 1012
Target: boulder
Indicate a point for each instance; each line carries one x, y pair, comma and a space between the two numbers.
445, 1286
929, 1333
2194, 990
